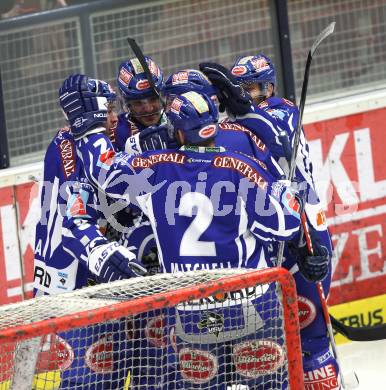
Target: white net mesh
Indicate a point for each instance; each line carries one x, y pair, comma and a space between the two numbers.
195, 330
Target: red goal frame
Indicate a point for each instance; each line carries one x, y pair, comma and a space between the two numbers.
173, 298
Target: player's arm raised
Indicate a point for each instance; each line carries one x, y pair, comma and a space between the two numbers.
238, 105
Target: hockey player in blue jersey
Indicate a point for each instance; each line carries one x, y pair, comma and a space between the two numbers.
257, 75
231, 135
70, 250
143, 112
66, 196
142, 106
153, 181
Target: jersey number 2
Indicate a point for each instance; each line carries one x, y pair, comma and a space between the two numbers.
190, 243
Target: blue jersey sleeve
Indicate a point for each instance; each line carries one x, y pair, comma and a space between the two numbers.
61, 247
111, 172
272, 210
235, 137
265, 127
81, 231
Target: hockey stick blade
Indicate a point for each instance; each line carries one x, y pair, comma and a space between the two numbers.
141, 58
364, 333
322, 36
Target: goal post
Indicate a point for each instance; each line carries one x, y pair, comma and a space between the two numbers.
219, 329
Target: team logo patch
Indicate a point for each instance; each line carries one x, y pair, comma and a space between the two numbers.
125, 76
263, 104
277, 189
75, 205
99, 356
55, 354
260, 64
307, 311
78, 122
207, 131
291, 203
324, 377
176, 105
258, 357
154, 69
321, 218
155, 332
180, 78
136, 66
276, 113
142, 84
106, 159
244, 60
213, 322
239, 70
197, 366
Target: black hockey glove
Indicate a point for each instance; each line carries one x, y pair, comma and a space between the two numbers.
314, 268
230, 94
150, 261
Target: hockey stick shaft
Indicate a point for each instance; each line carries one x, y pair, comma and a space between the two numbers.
292, 164
353, 379
141, 58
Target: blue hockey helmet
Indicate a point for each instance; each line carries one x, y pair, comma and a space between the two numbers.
188, 80
84, 102
255, 69
132, 81
196, 115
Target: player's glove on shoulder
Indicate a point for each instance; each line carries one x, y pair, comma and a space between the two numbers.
230, 94
314, 268
151, 138
112, 261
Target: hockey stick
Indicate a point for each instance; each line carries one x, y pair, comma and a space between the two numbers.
292, 166
364, 333
141, 58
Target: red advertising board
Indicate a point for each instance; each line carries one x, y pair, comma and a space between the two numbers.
349, 156
18, 215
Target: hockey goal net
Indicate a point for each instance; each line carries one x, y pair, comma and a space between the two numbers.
220, 329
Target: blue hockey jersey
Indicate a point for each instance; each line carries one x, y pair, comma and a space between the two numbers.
73, 219
62, 241
209, 208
